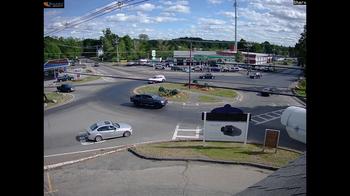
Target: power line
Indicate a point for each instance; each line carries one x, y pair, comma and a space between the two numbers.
92, 16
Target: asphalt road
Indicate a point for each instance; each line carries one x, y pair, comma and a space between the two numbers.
109, 99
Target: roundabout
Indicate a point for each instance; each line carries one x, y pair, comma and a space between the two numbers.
110, 100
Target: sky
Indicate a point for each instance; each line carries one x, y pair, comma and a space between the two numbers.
276, 21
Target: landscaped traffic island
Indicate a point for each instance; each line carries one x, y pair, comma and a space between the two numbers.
221, 151
181, 92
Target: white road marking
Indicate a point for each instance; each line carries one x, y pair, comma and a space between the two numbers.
100, 149
89, 143
197, 132
268, 114
175, 132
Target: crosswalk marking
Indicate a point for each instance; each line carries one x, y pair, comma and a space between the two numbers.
197, 131
273, 115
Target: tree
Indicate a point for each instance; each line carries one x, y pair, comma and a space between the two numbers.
256, 47
267, 47
300, 48
143, 37
242, 45
109, 41
239, 57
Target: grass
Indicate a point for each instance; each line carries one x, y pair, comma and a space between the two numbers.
59, 97
219, 151
301, 88
87, 79
204, 98
153, 89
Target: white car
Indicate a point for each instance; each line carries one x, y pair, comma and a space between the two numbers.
156, 79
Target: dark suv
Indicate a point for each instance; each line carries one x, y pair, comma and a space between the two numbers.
207, 76
65, 88
149, 100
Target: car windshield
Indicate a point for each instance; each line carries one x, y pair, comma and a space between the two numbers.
93, 127
116, 125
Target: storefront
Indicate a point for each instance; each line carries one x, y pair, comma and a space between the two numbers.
53, 67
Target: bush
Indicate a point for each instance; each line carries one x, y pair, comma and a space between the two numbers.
167, 92
161, 89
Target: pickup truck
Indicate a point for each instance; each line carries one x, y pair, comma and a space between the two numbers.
156, 79
148, 100
64, 77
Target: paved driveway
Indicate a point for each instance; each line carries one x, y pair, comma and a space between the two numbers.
122, 173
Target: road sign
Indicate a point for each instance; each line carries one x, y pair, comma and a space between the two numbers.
153, 53
271, 139
225, 124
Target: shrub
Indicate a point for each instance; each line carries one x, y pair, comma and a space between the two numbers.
167, 92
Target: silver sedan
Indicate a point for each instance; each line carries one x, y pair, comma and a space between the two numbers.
108, 129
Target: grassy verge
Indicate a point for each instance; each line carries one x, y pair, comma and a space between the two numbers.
59, 97
208, 99
300, 89
86, 79
219, 151
153, 89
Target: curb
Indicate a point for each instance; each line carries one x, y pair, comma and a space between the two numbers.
133, 151
54, 106
238, 98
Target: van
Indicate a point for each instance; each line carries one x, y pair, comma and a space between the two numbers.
294, 118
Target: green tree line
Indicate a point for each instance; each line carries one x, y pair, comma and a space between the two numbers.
128, 48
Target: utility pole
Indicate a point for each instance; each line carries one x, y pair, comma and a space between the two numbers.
116, 42
235, 4
189, 70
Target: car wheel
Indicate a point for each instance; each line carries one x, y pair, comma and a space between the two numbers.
163, 80
98, 138
126, 134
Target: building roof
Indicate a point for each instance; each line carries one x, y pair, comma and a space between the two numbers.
288, 180
54, 64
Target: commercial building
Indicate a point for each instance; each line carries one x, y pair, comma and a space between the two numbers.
53, 67
257, 58
202, 57
224, 56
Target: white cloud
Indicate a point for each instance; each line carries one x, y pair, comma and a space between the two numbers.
146, 7
52, 13
228, 14
178, 8
215, 1
210, 21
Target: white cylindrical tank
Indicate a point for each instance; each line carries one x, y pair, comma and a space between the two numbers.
294, 118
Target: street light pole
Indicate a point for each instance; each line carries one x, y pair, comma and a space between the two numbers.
189, 71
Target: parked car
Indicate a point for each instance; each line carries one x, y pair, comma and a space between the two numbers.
65, 88
176, 68
97, 64
215, 69
207, 76
156, 79
64, 77
266, 91
234, 69
225, 69
159, 66
107, 129
149, 100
